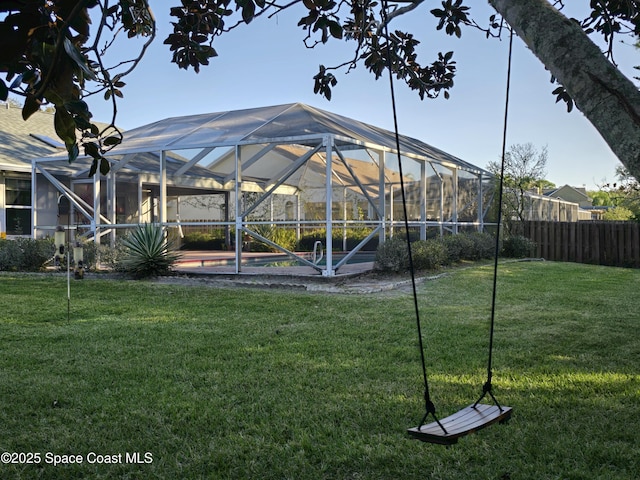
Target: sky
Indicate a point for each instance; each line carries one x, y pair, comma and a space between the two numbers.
266, 63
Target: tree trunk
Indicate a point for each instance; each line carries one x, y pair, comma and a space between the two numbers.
609, 100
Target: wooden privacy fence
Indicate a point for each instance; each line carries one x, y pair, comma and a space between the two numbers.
600, 243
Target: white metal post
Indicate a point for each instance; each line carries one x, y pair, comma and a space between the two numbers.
328, 271
238, 210
391, 207
34, 203
95, 224
441, 206
162, 210
344, 217
111, 203
382, 195
298, 215
139, 199
423, 201
455, 200
480, 204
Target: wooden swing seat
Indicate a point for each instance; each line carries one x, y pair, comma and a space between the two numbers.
468, 420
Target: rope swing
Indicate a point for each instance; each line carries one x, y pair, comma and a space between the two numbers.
476, 416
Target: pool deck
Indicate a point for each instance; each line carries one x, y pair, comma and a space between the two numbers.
199, 263
213, 269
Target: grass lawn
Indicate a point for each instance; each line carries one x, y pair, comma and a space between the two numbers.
215, 383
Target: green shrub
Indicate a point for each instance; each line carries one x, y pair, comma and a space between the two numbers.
392, 255
517, 246
90, 254
25, 254
469, 246
148, 252
35, 253
10, 255
484, 246
354, 237
203, 241
111, 256
429, 254
285, 237
458, 246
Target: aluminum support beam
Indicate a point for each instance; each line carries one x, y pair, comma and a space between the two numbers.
95, 223
329, 271
140, 199
199, 156
34, 202
382, 195
480, 204
423, 201
238, 210
162, 208
111, 203
357, 180
282, 177
454, 199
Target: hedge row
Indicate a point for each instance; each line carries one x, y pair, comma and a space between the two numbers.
432, 254
25, 254
285, 237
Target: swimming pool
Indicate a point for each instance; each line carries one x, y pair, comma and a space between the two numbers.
286, 261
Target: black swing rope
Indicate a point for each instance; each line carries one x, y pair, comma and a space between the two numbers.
430, 408
487, 388
429, 405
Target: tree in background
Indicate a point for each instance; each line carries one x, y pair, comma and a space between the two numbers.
623, 195
49, 54
618, 214
600, 198
524, 171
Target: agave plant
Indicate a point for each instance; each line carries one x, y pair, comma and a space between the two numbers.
148, 252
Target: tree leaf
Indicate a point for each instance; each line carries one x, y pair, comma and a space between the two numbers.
104, 166
335, 29
78, 107
111, 141
16, 83
248, 11
91, 149
73, 152
78, 58
31, 106
94, 167
64, 125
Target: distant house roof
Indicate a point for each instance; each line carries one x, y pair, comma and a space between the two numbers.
570, 194
21, 141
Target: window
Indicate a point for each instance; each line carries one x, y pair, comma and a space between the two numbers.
18, 205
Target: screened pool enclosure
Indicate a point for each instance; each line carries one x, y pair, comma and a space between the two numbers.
288, 178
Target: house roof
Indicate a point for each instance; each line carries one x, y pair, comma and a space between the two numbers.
292, 123
567, 192
21, 141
